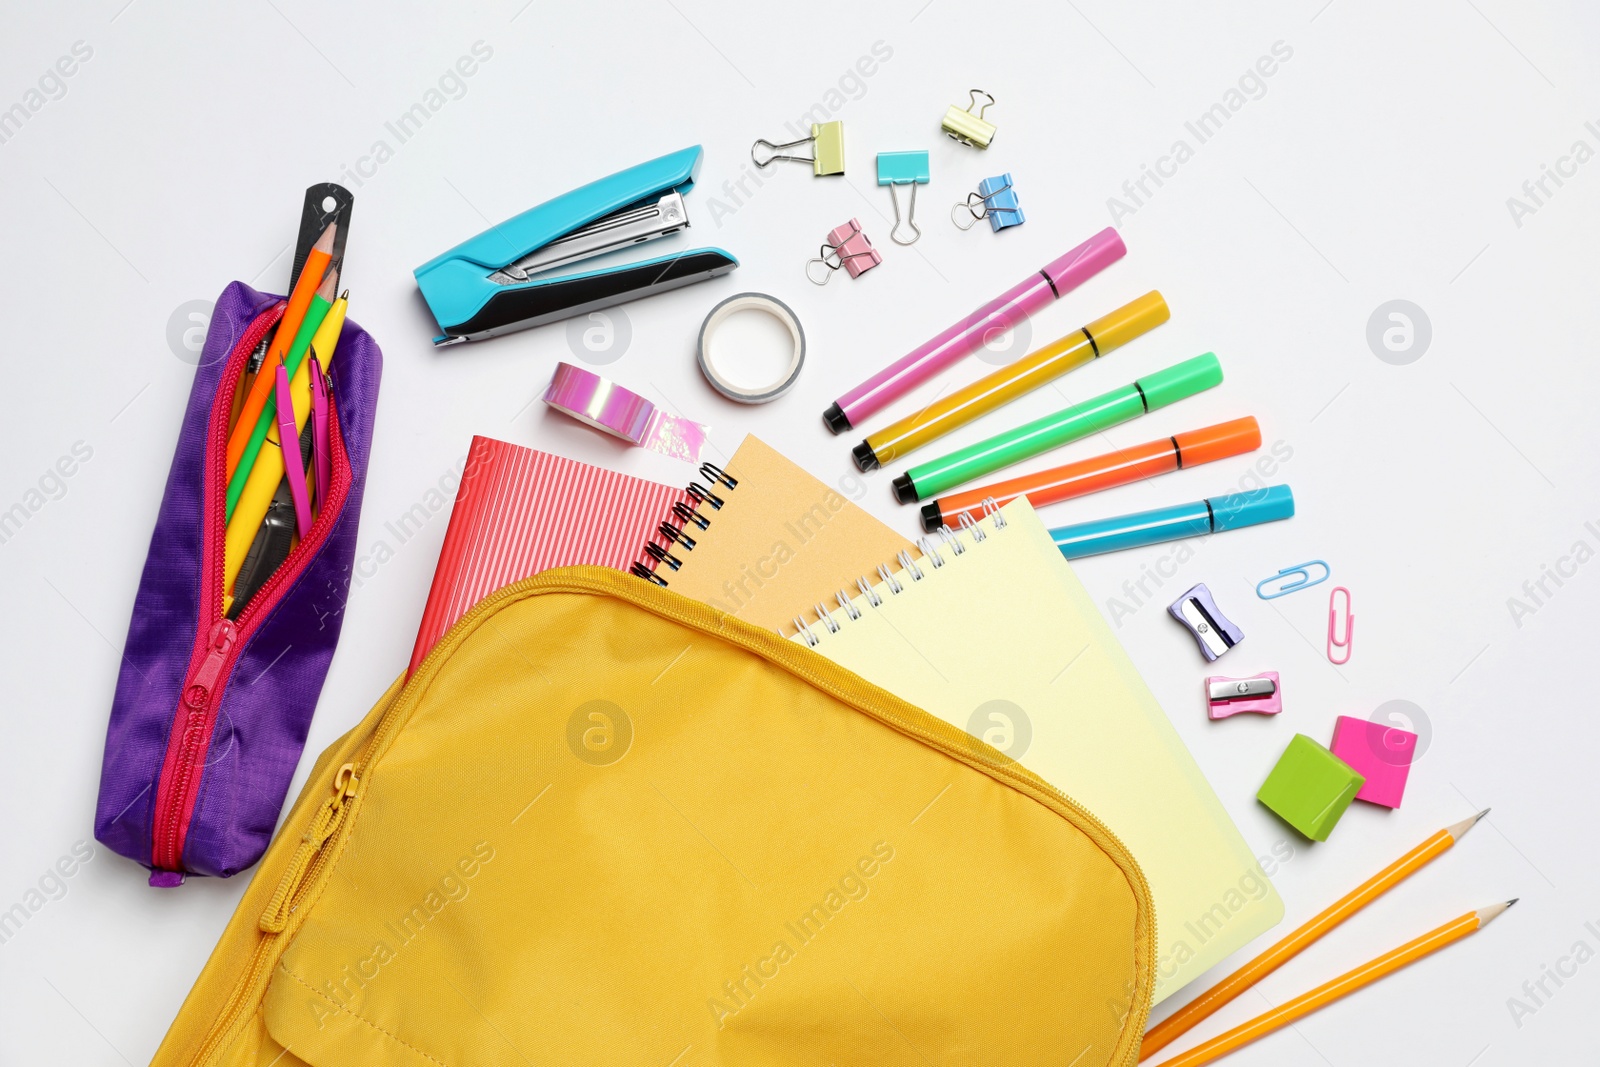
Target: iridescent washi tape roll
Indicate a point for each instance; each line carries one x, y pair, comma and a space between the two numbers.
620, 412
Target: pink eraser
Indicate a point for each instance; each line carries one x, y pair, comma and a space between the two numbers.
1379, 752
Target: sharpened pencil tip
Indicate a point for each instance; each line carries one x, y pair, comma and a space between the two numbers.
1460, 828
1487, 915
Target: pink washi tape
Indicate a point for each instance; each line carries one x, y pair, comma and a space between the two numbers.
620, 412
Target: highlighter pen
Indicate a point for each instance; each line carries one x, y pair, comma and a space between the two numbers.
1202, 518
1107, 471
321, 458
264, 476
305, 288
975, 330
289, 441
1041, 435
1006, 384
318, 310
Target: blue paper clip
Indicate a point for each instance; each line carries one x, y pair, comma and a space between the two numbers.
1293, 578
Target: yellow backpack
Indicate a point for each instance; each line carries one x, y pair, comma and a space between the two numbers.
605, 824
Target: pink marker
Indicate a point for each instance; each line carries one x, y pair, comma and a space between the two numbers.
970, 334
321, 457
289, 441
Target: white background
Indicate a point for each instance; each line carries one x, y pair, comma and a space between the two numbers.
1375, 164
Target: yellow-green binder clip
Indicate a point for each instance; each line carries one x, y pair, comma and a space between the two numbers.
969, 127
827, 150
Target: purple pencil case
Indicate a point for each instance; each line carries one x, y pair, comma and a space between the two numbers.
211, 714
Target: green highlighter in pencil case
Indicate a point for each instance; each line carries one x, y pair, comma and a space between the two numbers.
315, 313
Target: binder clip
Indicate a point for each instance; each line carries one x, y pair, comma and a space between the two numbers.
1230, 696
903, 168
995, 200
969, 127
847, 247
1213, 631
509, 277
1290, 579
827, 150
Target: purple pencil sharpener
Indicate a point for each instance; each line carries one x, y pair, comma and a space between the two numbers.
1213, 631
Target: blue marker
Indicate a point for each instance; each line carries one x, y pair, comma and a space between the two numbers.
1175, 523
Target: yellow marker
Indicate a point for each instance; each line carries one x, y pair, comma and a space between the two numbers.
1005, 385
268, 470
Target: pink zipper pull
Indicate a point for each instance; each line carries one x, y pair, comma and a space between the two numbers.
197, 694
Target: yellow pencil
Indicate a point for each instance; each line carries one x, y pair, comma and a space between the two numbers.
1342, 986
1191, 1014
264, 477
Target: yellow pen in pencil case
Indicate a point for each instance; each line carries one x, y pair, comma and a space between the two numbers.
262, 485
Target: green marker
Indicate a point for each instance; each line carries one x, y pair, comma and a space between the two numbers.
315, 313
1041, 435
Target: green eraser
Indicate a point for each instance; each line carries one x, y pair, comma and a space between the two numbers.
1310, 788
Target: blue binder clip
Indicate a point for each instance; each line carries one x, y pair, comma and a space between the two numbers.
903, 168
995, 200
501, 280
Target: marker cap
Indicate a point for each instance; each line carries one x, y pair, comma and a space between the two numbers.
1129, 321
1090, 258
1211, 443
1179, 381
1237, 510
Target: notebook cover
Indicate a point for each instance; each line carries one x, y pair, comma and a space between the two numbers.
781, 542
1004, 642
519, 511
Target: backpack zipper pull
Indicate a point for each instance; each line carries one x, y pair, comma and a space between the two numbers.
346, 786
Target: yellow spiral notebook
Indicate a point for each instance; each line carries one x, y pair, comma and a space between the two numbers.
1000, 639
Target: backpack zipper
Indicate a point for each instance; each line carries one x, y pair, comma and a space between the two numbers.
219, 640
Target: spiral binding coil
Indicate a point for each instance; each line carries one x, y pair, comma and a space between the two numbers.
687, 515
910, 573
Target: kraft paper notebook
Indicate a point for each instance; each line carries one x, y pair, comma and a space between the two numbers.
1003, 641
769, 541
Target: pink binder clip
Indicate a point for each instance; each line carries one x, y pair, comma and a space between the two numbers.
847, 246
1334, 640
1230, 696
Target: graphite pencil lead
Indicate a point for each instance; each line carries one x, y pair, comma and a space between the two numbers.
1488, 914
1464, 825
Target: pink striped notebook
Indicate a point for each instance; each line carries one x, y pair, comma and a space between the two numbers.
519, 512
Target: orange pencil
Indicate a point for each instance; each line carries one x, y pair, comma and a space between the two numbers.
261, 387
1194, 1012
1342, 986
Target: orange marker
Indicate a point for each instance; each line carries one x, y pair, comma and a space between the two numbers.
1101, 472
261, 388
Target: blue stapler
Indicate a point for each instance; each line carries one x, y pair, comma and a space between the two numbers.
501, 280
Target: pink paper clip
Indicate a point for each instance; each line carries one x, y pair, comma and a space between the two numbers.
847, 246
1334, 640
1229, 696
